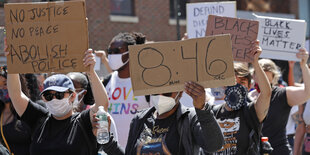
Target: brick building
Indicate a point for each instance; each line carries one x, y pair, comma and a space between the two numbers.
155, 18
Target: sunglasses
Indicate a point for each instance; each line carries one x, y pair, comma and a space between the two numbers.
59, 95
114, 50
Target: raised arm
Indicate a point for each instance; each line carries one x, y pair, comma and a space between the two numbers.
291, 79
263, 101
19, 99
104, 60
299, 95
99, 92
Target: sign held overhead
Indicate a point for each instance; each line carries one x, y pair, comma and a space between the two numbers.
242, 32
281, 38
46, 37
164, 67
197, 15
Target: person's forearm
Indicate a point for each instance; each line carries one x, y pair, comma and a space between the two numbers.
106, 64
18, 98
211, 132
299, 135
99, 92
263, 101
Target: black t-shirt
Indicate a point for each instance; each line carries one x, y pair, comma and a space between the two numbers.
51, 136
274, 126
18, 136
235, 129
159, 136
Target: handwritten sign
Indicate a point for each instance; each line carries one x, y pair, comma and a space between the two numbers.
2, 39
46, 37
165, 67
197, 15
242, 32
281, 38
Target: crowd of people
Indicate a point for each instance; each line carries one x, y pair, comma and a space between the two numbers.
55, 113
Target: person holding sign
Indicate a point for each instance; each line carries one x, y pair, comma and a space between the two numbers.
57, 130
282, 100
237, 117
123, 104
170, 128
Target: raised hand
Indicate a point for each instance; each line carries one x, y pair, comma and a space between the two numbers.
197, 92
89, 59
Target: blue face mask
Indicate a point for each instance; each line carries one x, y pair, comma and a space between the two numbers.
4, 96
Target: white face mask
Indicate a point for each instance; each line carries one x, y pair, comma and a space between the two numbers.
115, 61
162, 103
59, 108
76, 100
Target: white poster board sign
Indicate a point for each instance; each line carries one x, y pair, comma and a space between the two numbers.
281, 38
197, 15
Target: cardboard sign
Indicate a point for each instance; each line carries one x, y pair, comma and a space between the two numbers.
46, 37
164, 67
197, 15
281, 38
2, 39
242, 33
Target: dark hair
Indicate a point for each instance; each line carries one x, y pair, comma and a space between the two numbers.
126, 38
33, 87
139, 37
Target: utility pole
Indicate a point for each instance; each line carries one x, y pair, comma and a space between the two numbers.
177, 17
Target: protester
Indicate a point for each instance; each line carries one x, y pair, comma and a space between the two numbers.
282, 99
16, 135
80, 83
170, 128
238, 117
123, 103
57, 130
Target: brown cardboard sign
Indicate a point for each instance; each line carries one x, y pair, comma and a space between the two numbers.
165, 66
46, 37
242, 32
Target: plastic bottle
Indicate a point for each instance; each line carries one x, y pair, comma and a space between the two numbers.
102, 132
266, 147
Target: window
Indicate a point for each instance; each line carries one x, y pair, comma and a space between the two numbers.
182, 4
2, 2
122, 7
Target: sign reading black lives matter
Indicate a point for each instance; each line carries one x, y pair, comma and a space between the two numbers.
281, 38
46, 37
165, 66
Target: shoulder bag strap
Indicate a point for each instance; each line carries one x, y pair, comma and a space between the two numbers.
5, 142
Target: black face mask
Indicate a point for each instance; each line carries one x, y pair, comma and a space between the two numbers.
236, 96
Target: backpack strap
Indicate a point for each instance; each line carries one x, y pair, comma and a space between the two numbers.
93, 149
106, 80
255, 133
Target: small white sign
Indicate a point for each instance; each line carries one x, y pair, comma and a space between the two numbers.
197, 15
281, 38
98, 63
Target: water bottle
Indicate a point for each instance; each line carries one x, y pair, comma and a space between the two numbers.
266, 147
102, 132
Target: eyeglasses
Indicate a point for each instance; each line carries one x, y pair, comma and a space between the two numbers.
59, 95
